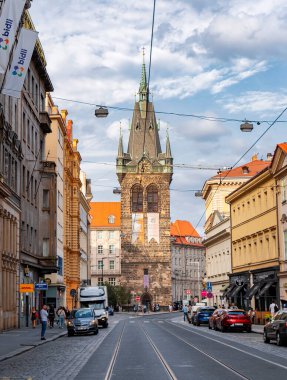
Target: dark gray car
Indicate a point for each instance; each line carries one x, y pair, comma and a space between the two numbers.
82, 321
276, 329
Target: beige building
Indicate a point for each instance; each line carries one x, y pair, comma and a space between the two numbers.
255, 261
279, 171
145, 173
217, 226
55, 150
187, 262
105, 243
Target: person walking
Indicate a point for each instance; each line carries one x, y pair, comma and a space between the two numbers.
273, 308
34, 317
51, 315
184, 309
61, 314
44, 319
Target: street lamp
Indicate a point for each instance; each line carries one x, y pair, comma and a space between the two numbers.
101, 112
246, 126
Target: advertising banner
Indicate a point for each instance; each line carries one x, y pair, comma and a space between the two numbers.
146, 280
26, 288
153, 226
137, 228
9, 21
21, 60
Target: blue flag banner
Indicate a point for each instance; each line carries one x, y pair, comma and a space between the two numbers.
21, 60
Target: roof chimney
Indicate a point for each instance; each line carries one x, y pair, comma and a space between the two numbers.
254, 157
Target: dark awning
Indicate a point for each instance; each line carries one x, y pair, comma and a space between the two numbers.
253, 290
265, 288
236, 290
228, 290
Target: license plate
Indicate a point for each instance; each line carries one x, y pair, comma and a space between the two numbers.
238, 324
81, 328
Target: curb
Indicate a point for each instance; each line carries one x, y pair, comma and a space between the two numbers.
30, 347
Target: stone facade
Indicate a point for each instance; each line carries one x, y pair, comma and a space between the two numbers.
145, 174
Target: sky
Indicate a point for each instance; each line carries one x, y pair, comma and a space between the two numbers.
219, 59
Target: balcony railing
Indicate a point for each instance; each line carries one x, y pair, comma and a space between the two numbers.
106, 272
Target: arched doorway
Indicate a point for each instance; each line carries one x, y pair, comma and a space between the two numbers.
146, 299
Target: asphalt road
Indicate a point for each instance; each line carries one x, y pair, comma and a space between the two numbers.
159, 347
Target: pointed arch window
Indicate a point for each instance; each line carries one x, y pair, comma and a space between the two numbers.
152, 198
137, 198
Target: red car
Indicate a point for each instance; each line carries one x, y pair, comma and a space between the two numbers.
212, 322
236, 319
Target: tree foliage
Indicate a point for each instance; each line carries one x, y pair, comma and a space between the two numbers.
118, 295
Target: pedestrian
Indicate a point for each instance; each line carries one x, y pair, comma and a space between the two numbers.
170, 308
34, 317
144, 308
61, 314
184, 309
67, 312
273, 308
44, 319
51, 316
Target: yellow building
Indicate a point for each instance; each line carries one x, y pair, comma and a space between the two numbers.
254, 250
72, 186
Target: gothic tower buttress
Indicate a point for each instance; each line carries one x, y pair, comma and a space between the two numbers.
145, 174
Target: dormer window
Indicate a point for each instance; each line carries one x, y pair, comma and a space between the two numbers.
111, 219
245, 170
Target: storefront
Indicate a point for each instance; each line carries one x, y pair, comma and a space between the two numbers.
235, 293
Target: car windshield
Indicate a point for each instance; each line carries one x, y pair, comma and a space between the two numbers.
82, 314
210, 311
234, 312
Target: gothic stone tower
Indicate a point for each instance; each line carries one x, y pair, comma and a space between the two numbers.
145, 174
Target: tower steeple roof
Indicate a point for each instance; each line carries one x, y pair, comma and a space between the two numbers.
120, 147
168, 149
143, 90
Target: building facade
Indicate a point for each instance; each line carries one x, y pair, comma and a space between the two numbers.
188, 262
105, 243
254, 242
145, 174
217, 226
279, 171
72, 190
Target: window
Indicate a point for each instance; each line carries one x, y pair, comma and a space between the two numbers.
42, 106
23, 180
137, 199
112, 281
60, 265
24, 126
152, 199
100, 281
46, 200
285, 244
111, 234
100, 264
111, 249
284, 194
99, 234
111, 219
28, 183
46, 247
28, 132
112, 264
100, 249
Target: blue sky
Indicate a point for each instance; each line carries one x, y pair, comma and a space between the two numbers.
212, 58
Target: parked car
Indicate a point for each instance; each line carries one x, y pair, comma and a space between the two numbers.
276, 328
82, 321
233, 319
202, 315
212, 322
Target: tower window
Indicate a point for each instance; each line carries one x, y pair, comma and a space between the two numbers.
111, 219
137, 199
152, 199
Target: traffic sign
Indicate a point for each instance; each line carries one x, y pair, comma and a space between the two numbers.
209, 286
26, 288
73, 292
203, 293
138, 298
41, 286
209, 295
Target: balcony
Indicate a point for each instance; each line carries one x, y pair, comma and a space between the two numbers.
45, 122
105, 272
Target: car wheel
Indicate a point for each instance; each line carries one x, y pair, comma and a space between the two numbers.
279, 340
96, 332
105, 325
248, 329
222, 328
197, 323
209, 326
265, 337
70, 333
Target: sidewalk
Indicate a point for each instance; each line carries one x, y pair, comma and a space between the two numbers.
15, 342
258, 329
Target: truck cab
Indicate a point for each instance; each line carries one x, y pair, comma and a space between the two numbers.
96, 297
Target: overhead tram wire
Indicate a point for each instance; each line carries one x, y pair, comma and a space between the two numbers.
243, 155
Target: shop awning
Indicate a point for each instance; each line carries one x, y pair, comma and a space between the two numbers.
265, 288
228, 290
253, 290
236, 290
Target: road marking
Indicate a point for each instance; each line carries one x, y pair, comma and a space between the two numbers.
235, 348
132, 321
146, 321
159, 321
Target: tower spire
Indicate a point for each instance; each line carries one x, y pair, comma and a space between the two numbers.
168, 149
120, 147
143, 84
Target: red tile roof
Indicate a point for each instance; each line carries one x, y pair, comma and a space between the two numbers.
182, 228
249, 169
283, 146
100, 211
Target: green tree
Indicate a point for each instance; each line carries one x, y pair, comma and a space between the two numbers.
118, 295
